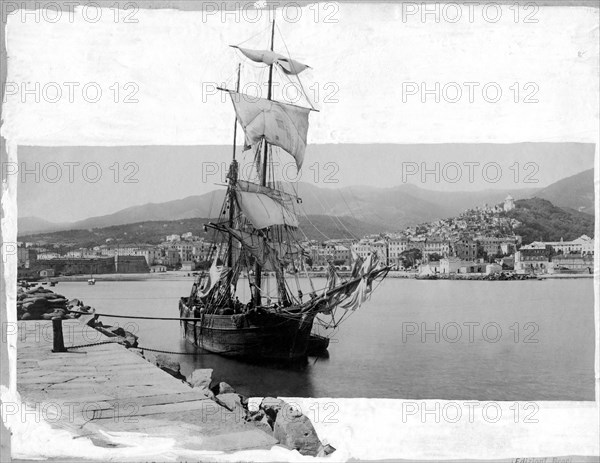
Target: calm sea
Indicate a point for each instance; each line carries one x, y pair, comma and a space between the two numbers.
515, 340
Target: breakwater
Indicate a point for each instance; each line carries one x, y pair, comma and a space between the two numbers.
119, 386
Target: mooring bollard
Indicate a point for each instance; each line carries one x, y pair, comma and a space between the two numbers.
59, 342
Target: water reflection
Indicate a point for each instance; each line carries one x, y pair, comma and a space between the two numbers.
252, 378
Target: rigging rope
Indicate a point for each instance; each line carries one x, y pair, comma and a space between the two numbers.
297, 75
255, 35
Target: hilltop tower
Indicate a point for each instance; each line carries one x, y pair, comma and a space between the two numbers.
509, 203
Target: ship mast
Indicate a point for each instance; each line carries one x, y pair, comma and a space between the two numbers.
263, 179
232, 175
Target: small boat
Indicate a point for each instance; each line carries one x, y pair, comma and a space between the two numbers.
92, 281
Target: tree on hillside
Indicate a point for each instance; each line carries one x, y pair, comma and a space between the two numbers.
410, 257
540, 220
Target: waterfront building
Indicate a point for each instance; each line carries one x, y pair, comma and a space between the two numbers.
453, 264
430, 268
48, 255
582, 245
417, 242
491, 269
493, 245
77, 266
201, 250
26, 257
533, 258
436, 245
465, 248
150, 253
369, 245
396, 246
572, 263
188, 266
338, 253
131, 264
185, 250
169, 257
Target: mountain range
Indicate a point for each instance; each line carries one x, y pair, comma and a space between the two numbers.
363, 208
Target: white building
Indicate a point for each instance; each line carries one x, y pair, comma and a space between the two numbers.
367, 246
509, 203
583, 245
450, 265
493, 268
396, 246
185, 250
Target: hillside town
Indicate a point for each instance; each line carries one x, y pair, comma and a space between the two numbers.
478, 241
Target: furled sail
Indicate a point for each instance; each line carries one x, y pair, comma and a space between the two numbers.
251, 242
268, 57
215, 274
263, 211
264, 251
281, 124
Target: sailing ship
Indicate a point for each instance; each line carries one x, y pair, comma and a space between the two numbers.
256, 236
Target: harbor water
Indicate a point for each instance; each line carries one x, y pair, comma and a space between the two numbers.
484, 340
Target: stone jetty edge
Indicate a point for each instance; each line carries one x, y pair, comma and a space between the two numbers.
277, 418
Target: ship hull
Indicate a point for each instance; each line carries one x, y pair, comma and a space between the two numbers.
255, 336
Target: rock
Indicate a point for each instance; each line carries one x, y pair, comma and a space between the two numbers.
118, 331
150, 356
201, 377
169, 365
223, 388
295, 431
256, 416
233, 403
130, 340
164, 361
325, 450
263, 425
206, 391
271, 407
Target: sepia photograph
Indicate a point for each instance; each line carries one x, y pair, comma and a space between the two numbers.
300, 231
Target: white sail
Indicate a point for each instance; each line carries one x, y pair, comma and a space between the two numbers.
278, 195
291, 66
281, 124
263, 211
268, 57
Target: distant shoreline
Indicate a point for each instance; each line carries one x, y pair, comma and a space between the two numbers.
184, 276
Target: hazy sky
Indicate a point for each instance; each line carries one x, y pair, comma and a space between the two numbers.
73, 183
365, 54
